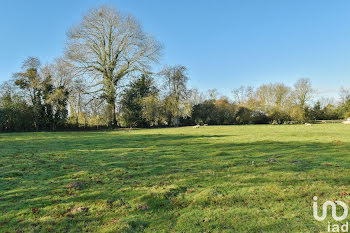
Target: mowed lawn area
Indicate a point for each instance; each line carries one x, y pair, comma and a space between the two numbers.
258, 178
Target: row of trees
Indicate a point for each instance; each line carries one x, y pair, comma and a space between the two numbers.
105, 79
51, 97
40, 99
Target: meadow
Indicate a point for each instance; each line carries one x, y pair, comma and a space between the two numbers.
254, 178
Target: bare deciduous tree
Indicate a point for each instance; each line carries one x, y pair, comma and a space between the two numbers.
243, 95
63, 73
303, 91
109, 46
175, 83
282, 96
196, 97
265, 97
213, 94
344, 94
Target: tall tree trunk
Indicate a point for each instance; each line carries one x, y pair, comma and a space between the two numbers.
79, 108
114, 117
110, 115
110, 94
36, 106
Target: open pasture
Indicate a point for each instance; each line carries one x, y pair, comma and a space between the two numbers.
258, 178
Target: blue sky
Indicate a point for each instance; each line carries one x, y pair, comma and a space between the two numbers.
223, 43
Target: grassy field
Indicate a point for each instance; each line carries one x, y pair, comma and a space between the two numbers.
211, 179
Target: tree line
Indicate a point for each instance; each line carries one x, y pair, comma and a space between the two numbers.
105, 80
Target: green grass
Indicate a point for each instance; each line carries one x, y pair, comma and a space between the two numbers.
173, 180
